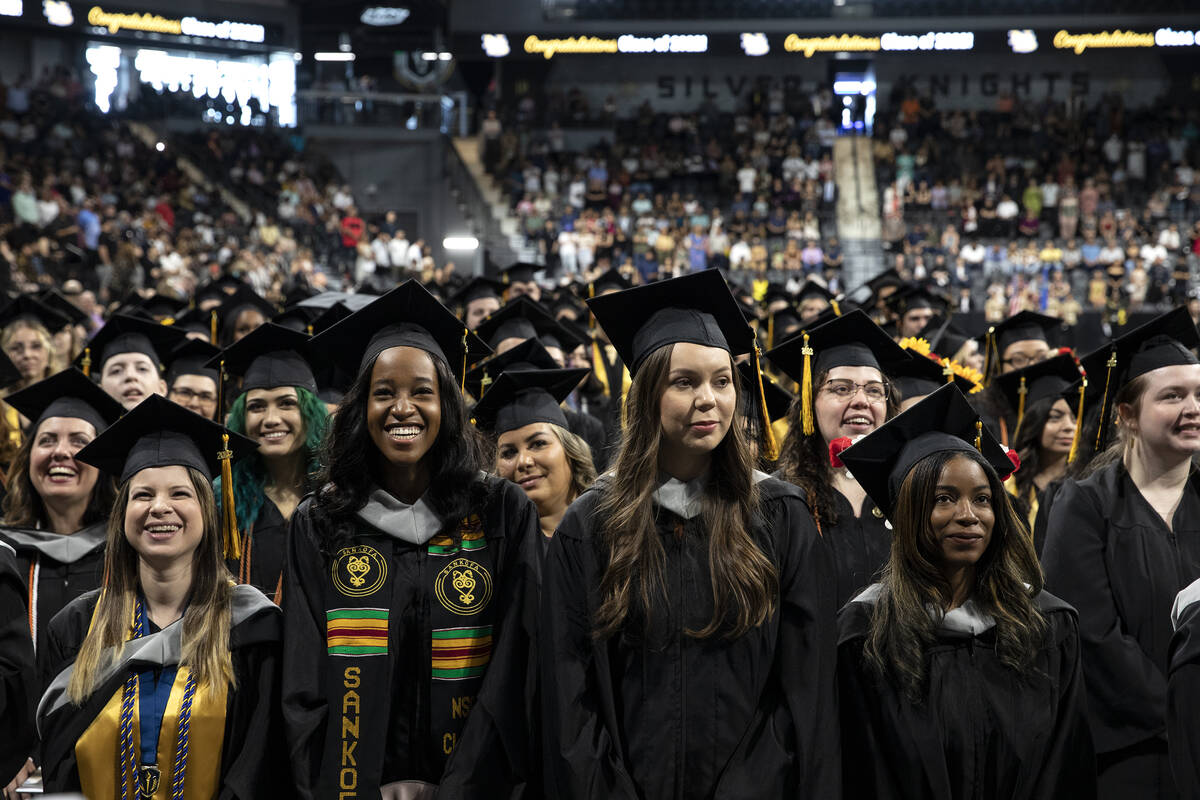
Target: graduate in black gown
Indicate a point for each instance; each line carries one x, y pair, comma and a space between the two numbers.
18, 675
687, 608
279, 409
1123, 542
1045, 432
165, 684
1022, 340
405, 578
1183, 692
957, 676
521, 412
127, 355
850, 396
57, 506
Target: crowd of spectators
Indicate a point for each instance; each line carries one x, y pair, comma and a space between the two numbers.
671, 192
1047, 205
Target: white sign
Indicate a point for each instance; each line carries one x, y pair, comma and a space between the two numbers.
755, 44
667, 43
237, 31
934, 40
1165, 37
383, 16
12, 8
58, 12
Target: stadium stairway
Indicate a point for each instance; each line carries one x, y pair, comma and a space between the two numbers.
151, 138
858, 221
504, 223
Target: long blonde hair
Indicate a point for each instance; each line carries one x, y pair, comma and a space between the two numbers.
6, 338
206, 622
745, 583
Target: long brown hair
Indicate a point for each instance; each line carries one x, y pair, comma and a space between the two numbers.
744, 581
23, 506
1007, 578
206, 622
804, 460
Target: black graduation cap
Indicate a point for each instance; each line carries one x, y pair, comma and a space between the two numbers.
161, 305
779, 399
159, 433
407, 316
888, 278
477, 288
813, 289
916, 297
195, 320
297, 293
52, 299
782, 325
697, 308
1049, 378
125, 334
1165, 341
219, 289
191, 358
750, 309
851, 340
523, 318
29, 307
529, 354
777, 292
296, 318
944, 337
520, 272
267, 358
942, 421
244, 298
68, 393
609, 281
9, 374
523, 397
922, 375
1022, 326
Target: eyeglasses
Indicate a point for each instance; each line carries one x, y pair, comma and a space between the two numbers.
1023, 360
188, 396
842, 389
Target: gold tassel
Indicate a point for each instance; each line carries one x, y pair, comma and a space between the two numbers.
86, 362
212, 328
769, 442
837, 309
770, 331
167, 321
979, 435
989, 347
947, 370
806, 390
598, 368
462, 384
591, 316
1112, 364
1021, 392
484, 383
220, 389
1078, 424
309, 328
232, 539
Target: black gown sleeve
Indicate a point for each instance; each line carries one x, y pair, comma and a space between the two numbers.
1069, 769
1126, 690
254, 757
582, 759
498, 755
1183, 703
303, 703
18, 673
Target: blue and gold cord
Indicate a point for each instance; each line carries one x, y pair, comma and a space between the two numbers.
125, 754
181, 741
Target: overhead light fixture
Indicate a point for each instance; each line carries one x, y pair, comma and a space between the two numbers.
383, 16
333, 56
436, 56
463, 243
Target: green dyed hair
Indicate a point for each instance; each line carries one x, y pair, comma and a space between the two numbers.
250, 473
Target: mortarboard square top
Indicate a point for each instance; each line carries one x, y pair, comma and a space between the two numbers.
191, 358
916, 297
529, 354
1023, 326
159, 433
779, 400
268, 358
123, 334
477, 288
524, 318
407, 316
851, 340
29, 307
942, 421
520, 272
68, 393
696, 308
52, 299
524, 397
611, 280
1049, 378
922, 375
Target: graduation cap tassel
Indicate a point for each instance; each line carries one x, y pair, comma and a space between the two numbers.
591, 316
462, 383
232, 539
979, 435
86, 362
770, 331
837, 309
1078, 424
221, 388
1111, 365
212, 328
989, 347
772, 446
1022, 391
806, 390
309, 329
598, 368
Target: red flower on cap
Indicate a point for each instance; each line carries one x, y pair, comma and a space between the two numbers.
1016, 462
835, 450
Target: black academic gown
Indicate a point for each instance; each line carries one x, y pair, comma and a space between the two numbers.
860, 546
1109, 554
591, 430
252, 757
982, 733
369, 714
264, 550
1183, 693
18, 672
65, 566
659, 715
